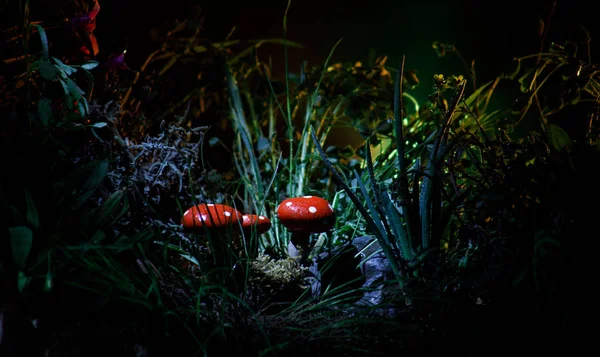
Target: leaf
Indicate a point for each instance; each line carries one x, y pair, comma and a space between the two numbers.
97, 176
21, 241
398, 225
96, 135
212, 142
44, 111
278, 41
473, 97
263, 144
385, 127
32, 213
109, 208
462, 264
44, 40
516, 71
98, 237
168, 66
65, 88
48, 282
81, 107
294, 78
520, 278
48, 71
558, 137
74, 89
90, 65
67, 70
22, 281
99, 171
81, 200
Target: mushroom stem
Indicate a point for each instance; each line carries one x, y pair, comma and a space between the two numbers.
300, 244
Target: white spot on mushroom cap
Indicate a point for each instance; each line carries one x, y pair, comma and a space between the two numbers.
186, 212
226, 213
203, 217
287, 204
307, 196
210, 204
312, 209
262, 217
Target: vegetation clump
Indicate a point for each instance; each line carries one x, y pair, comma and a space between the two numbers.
455, 215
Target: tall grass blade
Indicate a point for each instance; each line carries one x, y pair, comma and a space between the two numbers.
359, 206
405, 199
243, 131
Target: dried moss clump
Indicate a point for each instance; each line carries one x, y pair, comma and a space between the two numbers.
274, 272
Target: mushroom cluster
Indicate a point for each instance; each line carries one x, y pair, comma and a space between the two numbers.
219, 218
302, 216
210, 216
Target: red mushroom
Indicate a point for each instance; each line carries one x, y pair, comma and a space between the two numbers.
210, 216
252, 222
305, 215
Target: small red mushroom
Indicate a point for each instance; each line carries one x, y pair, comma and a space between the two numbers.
305, 215
210, 216
252, 222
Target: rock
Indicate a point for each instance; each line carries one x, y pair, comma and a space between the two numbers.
331, 270
376, 270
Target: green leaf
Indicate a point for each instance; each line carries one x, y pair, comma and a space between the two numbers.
98, 237
520, 278
81, 200
82, 107
22, 281
462, 264
90, 65
398, 226
44, 40
44, 111
385, 127
263, 144
21, 241
85, 104
48, 282
558, 137
97, 176
74, 89
213, 141
124, 210
96, 135
109, 207
65, 88
32, 214
67, 70
473, 97
48, 71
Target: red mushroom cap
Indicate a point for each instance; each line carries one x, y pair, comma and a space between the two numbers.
210, 215
306, 214
253, 221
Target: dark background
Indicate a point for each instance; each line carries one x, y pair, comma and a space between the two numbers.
490, 32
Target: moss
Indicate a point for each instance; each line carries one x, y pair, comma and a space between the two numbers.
268, 271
